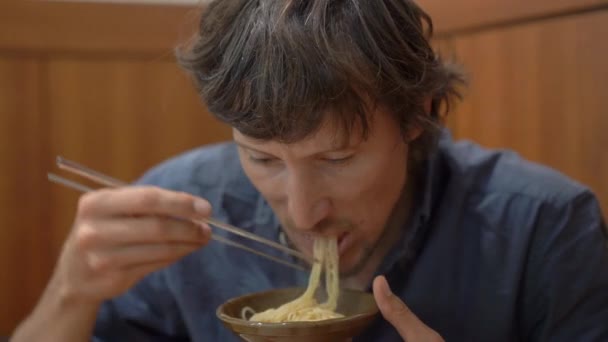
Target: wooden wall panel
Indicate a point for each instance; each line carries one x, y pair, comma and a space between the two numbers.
25, 257
121, 117
88, 82
101, 28
454, 17
540, 89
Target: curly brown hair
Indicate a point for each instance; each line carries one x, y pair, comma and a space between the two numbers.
276, 69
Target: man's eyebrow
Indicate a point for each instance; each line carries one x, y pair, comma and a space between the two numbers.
248, 147
337, 146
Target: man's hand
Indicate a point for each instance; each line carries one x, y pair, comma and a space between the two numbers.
399, 315
119, 236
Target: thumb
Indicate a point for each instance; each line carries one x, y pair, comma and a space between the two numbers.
409, 327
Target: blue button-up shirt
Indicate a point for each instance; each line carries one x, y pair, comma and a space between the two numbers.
496, 249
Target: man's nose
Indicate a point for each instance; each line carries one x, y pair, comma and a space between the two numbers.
306, 204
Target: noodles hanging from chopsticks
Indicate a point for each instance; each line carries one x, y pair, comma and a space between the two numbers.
306, 307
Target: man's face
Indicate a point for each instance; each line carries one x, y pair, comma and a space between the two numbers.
326, 184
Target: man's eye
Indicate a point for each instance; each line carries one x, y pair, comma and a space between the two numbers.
261, 160
340, 160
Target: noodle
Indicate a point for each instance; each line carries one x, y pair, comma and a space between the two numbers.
306, 307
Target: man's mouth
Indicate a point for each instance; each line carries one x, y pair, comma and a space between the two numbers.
345, 241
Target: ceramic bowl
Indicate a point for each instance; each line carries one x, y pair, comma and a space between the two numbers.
358, 307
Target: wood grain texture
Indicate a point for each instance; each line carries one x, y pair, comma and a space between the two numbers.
97, 83
24, 25
540, 89
88, 82
121, 118
94, 28
123, 115
451, 17
25, 257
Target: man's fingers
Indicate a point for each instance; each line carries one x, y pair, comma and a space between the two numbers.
142, 200
409, 327
392, 308
143, 230
137, 272
133, 256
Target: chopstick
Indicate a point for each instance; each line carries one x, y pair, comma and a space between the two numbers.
83, 188
100, 178
108, 181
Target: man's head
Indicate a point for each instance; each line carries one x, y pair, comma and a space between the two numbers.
330, 101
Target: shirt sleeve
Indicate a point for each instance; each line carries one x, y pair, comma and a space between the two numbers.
147, 312
566, 284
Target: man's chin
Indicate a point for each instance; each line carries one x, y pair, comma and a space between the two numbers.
351, 266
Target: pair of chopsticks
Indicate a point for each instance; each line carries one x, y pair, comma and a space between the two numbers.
108, 181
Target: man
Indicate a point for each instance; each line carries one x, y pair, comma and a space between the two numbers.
335, 107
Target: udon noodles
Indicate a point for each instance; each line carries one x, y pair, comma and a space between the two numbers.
306, 307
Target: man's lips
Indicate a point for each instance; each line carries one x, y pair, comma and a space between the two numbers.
345, 240
341, 237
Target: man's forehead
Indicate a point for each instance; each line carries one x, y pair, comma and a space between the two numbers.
330, 135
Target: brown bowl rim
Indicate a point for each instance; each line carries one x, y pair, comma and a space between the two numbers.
292, 325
